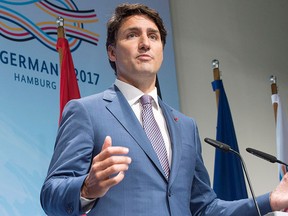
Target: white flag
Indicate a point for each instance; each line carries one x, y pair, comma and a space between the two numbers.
281, 135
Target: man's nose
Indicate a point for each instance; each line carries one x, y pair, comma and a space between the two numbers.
144, 43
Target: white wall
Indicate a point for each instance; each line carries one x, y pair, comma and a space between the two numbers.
250, 39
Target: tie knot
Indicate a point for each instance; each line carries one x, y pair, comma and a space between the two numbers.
145, 99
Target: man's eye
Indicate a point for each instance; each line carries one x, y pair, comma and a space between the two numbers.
153, 37
131, 35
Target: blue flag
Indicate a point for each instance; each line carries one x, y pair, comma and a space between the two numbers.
229, 183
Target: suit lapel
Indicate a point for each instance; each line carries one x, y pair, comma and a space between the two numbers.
172, 122
121, 110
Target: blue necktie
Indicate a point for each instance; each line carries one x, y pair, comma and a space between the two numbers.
153, 132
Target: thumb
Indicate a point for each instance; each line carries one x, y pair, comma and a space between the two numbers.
107, 142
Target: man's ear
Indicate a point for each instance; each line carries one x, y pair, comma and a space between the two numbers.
111, 53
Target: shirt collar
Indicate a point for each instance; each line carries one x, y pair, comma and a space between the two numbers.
132, 94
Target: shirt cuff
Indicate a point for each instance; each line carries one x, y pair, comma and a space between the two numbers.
86, 204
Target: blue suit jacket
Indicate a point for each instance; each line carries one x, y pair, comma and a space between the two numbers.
144, 190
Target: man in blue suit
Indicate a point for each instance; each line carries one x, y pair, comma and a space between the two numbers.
104, 164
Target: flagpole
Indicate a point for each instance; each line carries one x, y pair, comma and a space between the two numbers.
217, 76
60, 34
69, 88
274, 90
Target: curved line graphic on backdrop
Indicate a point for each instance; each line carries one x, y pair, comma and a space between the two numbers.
46, 32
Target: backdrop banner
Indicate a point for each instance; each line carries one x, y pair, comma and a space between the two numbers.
29, 84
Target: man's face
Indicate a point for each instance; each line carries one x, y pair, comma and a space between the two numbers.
138, 52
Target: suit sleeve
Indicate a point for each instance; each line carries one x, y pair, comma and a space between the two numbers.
60, 194
204, 201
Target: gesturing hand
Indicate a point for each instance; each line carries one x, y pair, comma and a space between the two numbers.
279, 197
107, 169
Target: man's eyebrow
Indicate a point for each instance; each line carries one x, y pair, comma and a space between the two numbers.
139, 29
132, 29
153, 30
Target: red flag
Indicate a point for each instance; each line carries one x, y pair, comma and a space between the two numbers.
68, 82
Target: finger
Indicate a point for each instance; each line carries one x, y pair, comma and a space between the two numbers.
107, 142
113, 181
112, 164
110, 151
112, 171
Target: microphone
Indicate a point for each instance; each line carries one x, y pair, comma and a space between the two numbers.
227, 148
218, 144
265, 156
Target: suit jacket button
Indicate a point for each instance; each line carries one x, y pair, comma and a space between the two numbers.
69, 209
